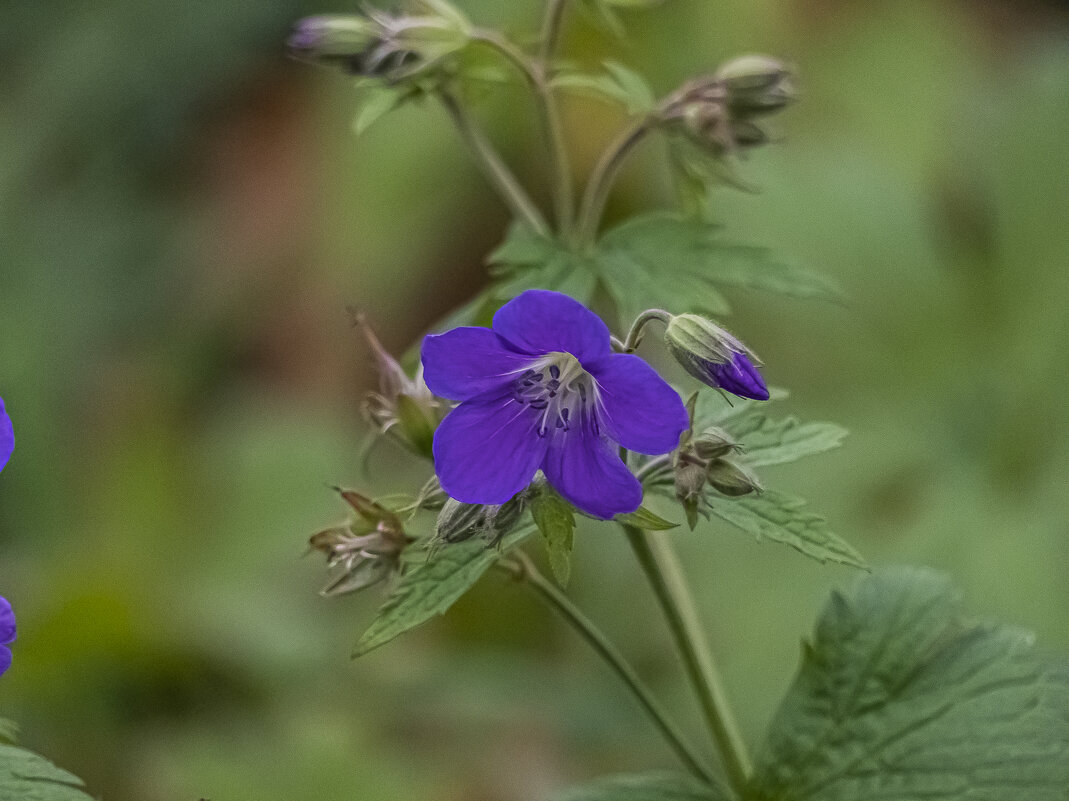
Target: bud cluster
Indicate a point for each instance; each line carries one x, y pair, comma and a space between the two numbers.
705, 460
367, 548
378, 44
721, 113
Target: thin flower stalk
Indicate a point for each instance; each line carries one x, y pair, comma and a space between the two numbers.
495, 169
521, 568
563, 188
602, 179
665, 575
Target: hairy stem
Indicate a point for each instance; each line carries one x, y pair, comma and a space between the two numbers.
602, 179
634, 336
563, 189
520, 567
495, 169
665, 575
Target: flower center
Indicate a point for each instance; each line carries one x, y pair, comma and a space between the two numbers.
559, 389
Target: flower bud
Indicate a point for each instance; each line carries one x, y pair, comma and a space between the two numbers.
756, 85
731, 479
334, 40
461, 521
378, 44
713, 356
713, 443
690, 482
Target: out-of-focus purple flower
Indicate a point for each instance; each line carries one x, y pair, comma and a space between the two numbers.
713, 356
7, 436
7, 634
542, 389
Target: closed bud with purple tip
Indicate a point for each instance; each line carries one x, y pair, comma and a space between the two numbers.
380, 44
714, 357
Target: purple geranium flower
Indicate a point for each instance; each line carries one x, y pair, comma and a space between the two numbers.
7, 634
7, 436
543, 390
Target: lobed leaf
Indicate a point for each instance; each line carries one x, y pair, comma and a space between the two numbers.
430, 589
654, 786
766, 441
529, 260
25, 776
781, 518
898, 699
679, 264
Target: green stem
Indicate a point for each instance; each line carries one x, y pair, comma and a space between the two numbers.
551, 32
602, 179
521, 568
634, 336
563, 189
495, 169
665, 575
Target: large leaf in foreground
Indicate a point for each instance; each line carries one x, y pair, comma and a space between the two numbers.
656, 786
783, 518
898, 699
25, 776
433, 587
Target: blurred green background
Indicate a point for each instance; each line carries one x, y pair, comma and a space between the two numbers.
185, 215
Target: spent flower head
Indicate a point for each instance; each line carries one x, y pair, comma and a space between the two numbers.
403, 407
366, 550
543, 390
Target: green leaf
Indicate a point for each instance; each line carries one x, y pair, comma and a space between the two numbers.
528, 260
556, 520
645, 519
433, 587
781, 518
899, 699
620, 85
601, 14
659, 260
654, 786
766, 441
637, 93
9, 731
25, 776
375, 103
